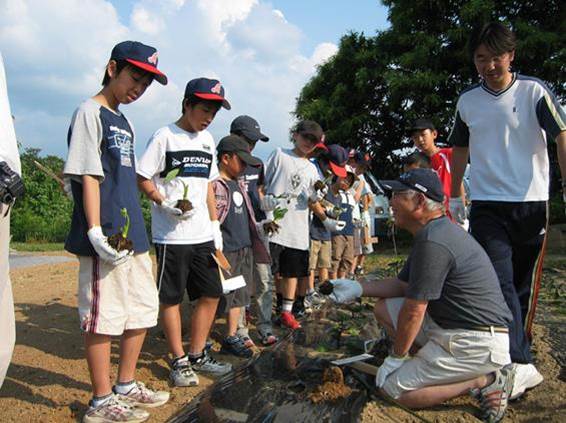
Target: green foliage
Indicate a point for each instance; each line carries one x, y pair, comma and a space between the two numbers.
44, 213
368, 93
126, 227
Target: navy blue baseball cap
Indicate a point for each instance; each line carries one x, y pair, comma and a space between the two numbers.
207, 89
248, 127
139, 55
425, 181
236, 144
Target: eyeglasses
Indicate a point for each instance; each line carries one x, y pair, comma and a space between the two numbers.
399, 193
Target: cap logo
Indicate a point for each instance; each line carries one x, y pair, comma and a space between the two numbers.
153, 59
216, 89
419, 186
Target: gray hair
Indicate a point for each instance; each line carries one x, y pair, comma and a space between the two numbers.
430, 204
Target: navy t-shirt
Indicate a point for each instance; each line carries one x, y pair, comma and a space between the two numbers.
253, 178
101, 144
346, 202
235, 228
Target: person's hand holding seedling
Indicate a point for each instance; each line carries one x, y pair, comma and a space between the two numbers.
181, 209
270, 227
116, 249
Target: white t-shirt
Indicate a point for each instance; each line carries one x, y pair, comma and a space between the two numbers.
286, 173
195, 154
8, 144
506, 132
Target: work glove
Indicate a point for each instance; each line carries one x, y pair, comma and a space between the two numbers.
269, 203
217, 235
457, 209
345, 290
390, 364
168, 206
333, 225
318, 194
106, 253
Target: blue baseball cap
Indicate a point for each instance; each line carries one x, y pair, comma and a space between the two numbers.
207, 89
139, 55
425, 181
248, 127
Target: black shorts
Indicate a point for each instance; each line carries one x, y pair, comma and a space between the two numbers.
289, 262
186, 267
241, 263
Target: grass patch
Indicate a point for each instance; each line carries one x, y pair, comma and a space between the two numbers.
37, 246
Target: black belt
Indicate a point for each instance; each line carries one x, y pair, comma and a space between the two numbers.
496, 329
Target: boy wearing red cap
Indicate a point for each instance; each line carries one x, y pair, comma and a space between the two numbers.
117, 293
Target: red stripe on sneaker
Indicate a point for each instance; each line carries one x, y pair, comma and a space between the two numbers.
95, 287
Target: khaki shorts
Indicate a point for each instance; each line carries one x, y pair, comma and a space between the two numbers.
320, 254
113, 299
342, 253
447, 355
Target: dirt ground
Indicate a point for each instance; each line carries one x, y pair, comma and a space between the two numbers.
48, 379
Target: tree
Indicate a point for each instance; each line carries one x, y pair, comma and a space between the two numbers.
367, 94
44, 212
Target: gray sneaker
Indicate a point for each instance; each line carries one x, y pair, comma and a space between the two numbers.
182, 374
494, 398
115, 410
314, 300
208, 364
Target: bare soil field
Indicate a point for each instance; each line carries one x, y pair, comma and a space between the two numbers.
48, 378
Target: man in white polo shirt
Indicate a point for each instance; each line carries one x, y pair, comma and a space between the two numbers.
503, 123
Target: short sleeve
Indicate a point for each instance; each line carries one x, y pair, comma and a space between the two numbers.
430, 264
152, 161
270, 167
85, 138
460, 134
404, 273
550, 114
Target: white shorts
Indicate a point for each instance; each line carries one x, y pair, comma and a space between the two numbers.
113, 299
447, 355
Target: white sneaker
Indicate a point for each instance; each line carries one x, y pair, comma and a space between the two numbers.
115, 410
526, 377
142, 396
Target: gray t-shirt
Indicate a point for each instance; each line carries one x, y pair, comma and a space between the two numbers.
450, 270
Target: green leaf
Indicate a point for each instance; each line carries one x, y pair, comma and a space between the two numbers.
279, 213
172, 174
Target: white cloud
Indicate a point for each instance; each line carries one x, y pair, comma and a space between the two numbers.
55, 52
145, 21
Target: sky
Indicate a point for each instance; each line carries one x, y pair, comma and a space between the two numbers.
263, 52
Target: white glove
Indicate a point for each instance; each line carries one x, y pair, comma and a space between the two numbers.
168, 206
333, 225
188, 214
345, 290
318, 194
100, 244
269, 202
217, 235
390, 364
457, 209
